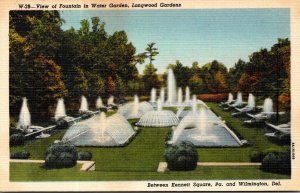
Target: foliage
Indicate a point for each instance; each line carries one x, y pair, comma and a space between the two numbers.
16, 139
277, 162
67, 63
181, 157
84, 155
61, 156
20, 155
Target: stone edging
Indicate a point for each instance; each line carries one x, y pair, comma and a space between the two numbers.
163, 166
86, 165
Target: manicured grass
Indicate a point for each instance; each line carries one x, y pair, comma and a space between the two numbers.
35, 172
142, 154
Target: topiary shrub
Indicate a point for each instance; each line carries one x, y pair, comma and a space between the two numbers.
277, 162
61, 123
257, 156
61, 155
85, 155
16, 139
20, 155
181, 157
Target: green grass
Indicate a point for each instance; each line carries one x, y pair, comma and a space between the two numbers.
35, 172
139, 160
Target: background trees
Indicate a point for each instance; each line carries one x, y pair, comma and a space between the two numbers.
47, 63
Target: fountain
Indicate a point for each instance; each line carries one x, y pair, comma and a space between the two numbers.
153, 95
194, 104
204, 128
110, 101
187, 94
162, 95
60, 111
24, 117
230, 98
83, 105
179, 96
268, 106
171, 87
100, 131
99, 103
251, 101
239, 98
135, 109
158, 118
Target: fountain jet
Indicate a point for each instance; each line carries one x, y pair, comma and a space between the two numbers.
268, 105
179, 97
83, 105
60, 111
187, 94
153, 95
24, 117
99, 103
162, 95
171, 87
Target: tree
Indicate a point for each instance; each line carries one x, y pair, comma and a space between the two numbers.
151, 51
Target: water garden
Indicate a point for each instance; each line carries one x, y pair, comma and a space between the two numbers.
189, 123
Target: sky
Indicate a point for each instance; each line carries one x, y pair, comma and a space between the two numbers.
192, 35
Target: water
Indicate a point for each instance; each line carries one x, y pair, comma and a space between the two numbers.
230, 98
268, 105
204, 128
162, 95
187, 94
110, 100
203, 121
135, 108
179, 97
194, 104
171, 87
99, 103
60, 109
102, 124
83, 104
159, 105
100, 131
239, 98
251, 101
153, 95
24, 117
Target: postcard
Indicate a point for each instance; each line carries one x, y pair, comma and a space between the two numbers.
149, 95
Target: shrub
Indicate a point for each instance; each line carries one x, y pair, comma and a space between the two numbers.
16, 139
277, 162
181, 157
61, 155
85, 155
19, 155
61, 123
256, 156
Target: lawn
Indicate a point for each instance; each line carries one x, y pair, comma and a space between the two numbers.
35, 172
139, 160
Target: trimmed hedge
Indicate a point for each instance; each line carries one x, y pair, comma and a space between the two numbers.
16, 139
20, 155
62, 124
85, 155
181, 157
61, 156
277, 162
